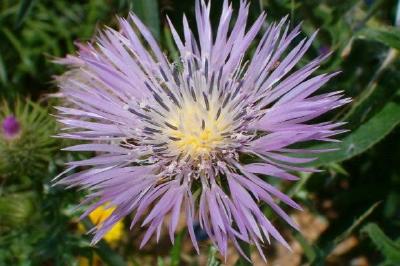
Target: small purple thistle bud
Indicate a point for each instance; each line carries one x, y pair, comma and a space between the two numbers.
11, 126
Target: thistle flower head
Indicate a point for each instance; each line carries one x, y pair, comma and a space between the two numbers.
26, 141
170, 136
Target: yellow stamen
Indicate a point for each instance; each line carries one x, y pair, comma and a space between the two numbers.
198, 130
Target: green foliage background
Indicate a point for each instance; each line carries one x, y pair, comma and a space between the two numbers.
361, 180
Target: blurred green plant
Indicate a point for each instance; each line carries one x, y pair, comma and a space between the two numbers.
34, 32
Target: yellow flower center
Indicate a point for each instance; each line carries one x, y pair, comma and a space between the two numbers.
197, 129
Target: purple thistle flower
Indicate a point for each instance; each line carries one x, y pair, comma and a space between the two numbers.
169, 136
11, 127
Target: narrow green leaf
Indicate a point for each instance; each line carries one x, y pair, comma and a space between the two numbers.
299, 186
246, 249
3, 71
389, 248
148, 12
25, 8
388, 35
109, 256
363, 137
308, 249
176, 250
21, 50
356, 223
173, 52
212, 259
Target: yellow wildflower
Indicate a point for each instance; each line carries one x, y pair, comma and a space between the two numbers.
98, 216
